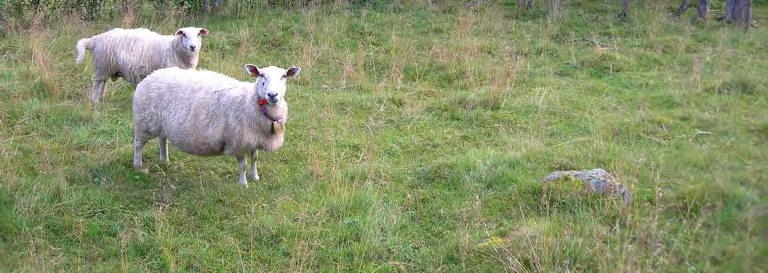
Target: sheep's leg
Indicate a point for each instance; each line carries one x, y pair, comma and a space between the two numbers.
241, 163
138, 141
97, 90
254, 172
163, 149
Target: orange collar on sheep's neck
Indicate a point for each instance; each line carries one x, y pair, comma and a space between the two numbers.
277, 123
263, 106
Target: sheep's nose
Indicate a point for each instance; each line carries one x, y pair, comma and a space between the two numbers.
272, 98
192, 48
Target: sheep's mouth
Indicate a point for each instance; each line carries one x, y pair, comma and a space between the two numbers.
272, 100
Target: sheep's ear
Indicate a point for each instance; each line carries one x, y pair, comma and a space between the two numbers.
203, 31
293, 71
252, 70
179, 32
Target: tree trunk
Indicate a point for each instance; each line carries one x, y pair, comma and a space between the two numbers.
92, 8
524, 5
2, 14
739, 12
729, 10
702, 10
3, 23
683, 7
624, 6
746, 13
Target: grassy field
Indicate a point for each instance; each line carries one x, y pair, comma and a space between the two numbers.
416, 142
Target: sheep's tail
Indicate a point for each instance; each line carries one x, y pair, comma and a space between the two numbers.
83, 45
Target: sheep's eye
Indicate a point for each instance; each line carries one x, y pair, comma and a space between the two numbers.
283, 77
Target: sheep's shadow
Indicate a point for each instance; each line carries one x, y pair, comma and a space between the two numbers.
118, 179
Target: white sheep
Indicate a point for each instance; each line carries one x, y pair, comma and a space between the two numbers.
135, 53
205, 113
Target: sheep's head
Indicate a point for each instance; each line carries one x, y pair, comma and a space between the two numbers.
191, 38
271, 81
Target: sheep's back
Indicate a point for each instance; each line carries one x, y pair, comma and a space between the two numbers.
171, 90
126, 51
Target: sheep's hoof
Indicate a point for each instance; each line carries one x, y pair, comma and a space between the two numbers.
243, 182
255, 177
143, 170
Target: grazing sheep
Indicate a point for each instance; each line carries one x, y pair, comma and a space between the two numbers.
205, 113
135, 53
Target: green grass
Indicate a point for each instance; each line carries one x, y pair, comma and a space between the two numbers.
416, 140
